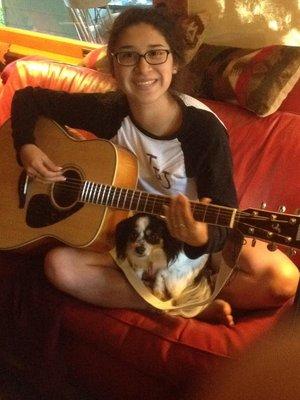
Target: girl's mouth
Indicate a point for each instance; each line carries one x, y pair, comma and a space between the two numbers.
145, 84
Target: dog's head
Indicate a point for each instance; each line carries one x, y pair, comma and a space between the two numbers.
138, 236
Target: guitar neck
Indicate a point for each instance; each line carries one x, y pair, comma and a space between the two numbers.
136, 200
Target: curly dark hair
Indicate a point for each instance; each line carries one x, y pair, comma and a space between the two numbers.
160, 19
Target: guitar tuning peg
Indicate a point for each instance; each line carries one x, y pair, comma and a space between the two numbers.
291, 252
282, 209
263, 205
253, 243
272, 247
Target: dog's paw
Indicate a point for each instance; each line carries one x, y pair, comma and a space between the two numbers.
159, 287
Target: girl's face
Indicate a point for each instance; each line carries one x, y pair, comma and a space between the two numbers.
143, 83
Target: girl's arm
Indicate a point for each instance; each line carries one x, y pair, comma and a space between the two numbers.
78, 110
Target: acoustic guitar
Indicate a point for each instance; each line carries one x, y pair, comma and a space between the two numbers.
100, 191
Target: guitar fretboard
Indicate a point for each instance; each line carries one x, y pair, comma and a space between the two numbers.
136, 200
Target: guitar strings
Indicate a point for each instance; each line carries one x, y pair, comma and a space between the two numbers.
76, 185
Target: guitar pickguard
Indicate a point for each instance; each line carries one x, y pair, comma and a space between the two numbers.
41, 212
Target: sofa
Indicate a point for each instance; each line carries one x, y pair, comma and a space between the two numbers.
58, 342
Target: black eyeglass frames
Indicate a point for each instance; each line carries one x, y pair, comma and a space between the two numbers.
131, 58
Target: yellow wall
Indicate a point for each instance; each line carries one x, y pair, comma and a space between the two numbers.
251, 23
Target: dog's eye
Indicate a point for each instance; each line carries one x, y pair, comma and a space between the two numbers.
133, 236
153, 237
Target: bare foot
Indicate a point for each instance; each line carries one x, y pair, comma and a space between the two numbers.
219, 311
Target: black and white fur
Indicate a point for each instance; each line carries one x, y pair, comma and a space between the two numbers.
152, 252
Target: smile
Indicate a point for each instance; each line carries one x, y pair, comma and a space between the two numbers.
145, 83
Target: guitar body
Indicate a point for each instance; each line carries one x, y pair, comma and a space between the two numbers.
31, 211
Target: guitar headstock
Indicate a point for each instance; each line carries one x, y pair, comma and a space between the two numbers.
275, 227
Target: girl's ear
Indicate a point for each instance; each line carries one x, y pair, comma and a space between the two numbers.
175, 67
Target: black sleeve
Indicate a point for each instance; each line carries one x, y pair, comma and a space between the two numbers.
211, 164
77, 110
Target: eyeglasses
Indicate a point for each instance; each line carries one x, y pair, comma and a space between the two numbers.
131, 58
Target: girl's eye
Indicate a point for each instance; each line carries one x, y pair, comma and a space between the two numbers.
127, 56
156, 54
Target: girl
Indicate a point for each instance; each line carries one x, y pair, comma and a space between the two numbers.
183, 151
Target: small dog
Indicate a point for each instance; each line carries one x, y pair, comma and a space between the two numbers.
152, 252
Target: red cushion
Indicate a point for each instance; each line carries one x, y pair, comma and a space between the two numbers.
151, 346
135, 352
291, 103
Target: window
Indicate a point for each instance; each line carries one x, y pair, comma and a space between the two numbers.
54, 17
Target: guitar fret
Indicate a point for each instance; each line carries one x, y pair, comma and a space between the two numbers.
149, 205
143, 200
204, 215
102, 193
82, 191
131, 199
158, 203
119, 192
89, 192
94, 191
153, 204
127, 200
98, 194
113, 196
193, 205
211, 216
108, 196
85, 191
138, 201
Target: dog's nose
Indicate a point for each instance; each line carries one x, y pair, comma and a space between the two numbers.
140, 249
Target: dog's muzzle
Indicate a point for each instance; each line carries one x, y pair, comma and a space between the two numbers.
140, 249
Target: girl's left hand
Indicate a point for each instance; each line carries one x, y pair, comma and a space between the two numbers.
182, 224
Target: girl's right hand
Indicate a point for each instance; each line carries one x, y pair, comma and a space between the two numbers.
38, 165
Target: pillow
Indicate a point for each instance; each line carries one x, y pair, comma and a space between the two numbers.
193, 26
258, 80
10, 67
51, 75
97, 59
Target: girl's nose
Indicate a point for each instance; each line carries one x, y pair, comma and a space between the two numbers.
142, 65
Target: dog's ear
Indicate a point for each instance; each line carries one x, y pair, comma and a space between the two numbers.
172, 246
123, 230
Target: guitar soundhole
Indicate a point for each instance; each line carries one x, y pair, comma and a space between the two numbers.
66, 194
